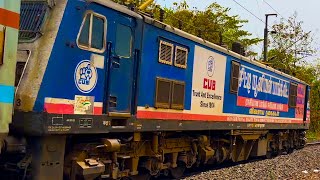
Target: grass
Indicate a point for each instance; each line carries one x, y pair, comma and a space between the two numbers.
312, 136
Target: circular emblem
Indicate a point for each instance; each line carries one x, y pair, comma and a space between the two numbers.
85, 76
210, 66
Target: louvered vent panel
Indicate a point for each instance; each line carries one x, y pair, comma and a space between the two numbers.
293, 95
181, 57
32, 16
163, 93
234, 77
178, 95
165, 52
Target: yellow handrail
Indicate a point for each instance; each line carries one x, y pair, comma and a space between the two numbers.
144, 5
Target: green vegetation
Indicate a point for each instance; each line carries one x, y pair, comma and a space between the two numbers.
289, 47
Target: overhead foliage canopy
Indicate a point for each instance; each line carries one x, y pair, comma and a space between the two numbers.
210, 24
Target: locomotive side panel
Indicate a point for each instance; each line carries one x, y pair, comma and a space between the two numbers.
263, 93
260, 95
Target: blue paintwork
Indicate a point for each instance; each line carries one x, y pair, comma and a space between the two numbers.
6, 94
58, 80
232, 98
150, 67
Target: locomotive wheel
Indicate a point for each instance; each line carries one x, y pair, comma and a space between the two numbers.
177, 172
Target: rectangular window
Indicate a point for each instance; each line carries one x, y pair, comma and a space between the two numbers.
123, 41
163, 93
92, 35
293, 95
178, 92
234, 81
181, 57
165, 52
98, 29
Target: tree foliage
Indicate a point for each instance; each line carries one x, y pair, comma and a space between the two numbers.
290, 45
210, 24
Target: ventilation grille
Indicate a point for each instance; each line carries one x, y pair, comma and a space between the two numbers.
178, 92
234, 77
293, 95
163, 92
181, 57
165, 52
31, 19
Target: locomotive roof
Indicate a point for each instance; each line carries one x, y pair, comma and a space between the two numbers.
149, 20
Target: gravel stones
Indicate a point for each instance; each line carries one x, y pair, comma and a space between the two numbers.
301, 164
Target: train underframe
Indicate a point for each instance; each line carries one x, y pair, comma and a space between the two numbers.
140, 155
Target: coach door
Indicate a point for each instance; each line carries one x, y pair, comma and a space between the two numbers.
120, 58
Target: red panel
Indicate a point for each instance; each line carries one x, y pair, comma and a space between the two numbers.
9, 18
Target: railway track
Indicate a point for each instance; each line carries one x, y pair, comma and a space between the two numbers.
313, 143
194, 172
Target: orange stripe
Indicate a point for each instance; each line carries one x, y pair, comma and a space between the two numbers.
218, 118
9, 18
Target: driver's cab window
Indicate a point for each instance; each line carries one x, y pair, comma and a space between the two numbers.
123, 41
92, 34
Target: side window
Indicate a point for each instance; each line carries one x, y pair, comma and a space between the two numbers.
293, 95
234, 81
123, 41
181, 57
92, 35
165, 52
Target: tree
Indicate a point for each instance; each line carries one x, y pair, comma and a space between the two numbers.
214, 24
290, 45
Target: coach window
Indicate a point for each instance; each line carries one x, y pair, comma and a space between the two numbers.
181, 57
92, 35
165, 52
293, 95
234, 81
123, 41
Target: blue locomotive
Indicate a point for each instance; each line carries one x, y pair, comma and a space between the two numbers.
106, 92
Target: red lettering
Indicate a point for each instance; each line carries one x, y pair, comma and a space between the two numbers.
205, 83
213, 85
209, 84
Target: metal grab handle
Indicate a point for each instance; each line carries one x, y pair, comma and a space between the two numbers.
115, 61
